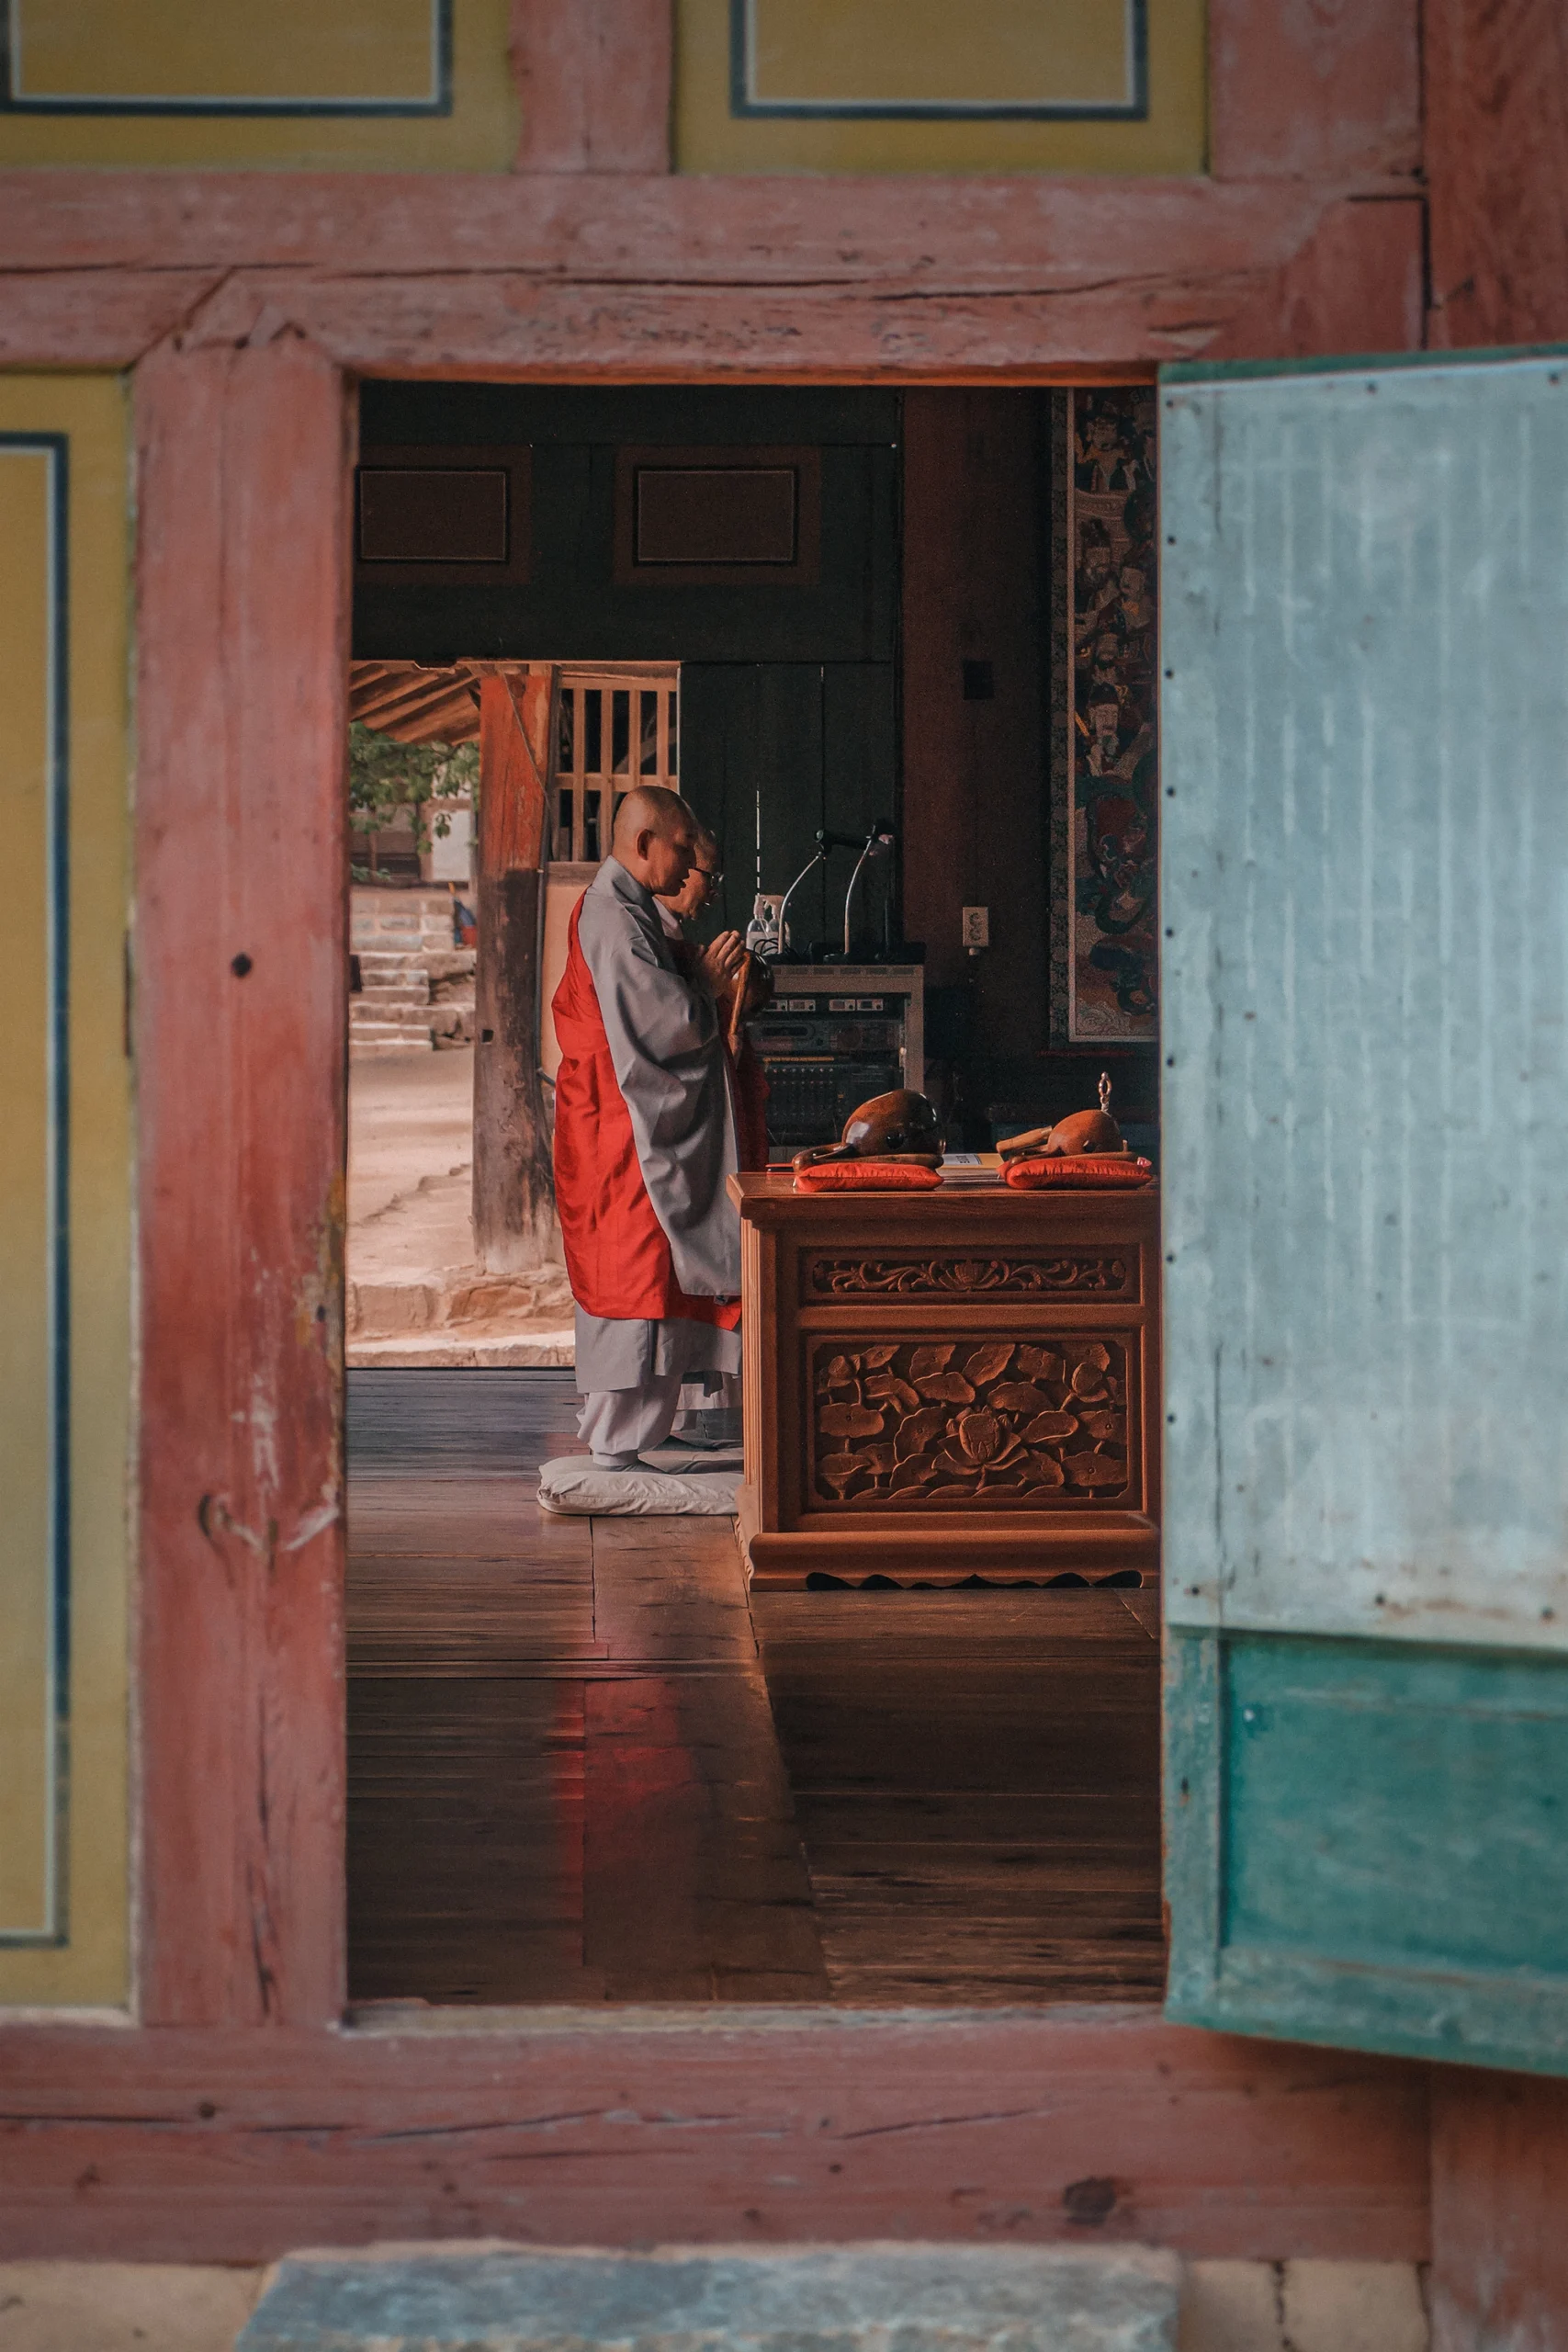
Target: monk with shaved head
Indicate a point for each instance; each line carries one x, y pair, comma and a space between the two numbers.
644, 1139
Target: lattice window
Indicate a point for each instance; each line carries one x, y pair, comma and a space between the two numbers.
616, 727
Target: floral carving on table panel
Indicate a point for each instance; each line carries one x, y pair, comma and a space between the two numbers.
963, 1277
918, 1423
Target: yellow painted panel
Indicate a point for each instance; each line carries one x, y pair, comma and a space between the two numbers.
364, 50
920, 50
927, 53
291, 52
27, 1703
90, 1966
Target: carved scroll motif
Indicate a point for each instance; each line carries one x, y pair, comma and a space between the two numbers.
965, 1277
999, 1423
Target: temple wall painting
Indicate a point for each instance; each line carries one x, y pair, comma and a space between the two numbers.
1105, 717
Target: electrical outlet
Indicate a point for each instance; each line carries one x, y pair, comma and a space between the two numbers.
977, 927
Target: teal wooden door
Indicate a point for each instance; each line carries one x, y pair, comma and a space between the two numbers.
1365, 916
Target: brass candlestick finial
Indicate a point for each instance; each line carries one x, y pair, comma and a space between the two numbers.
1105, 1092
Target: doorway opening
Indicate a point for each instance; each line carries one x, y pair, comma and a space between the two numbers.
587, 1763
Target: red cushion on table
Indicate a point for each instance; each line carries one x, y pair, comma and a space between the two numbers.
1091, 1171
865, 1176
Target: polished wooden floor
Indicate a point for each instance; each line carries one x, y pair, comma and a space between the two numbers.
583, 1768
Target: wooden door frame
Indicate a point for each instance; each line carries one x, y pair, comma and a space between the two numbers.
231, 2113
741, 2123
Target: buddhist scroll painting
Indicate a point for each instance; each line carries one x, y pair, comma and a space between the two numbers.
1107, 975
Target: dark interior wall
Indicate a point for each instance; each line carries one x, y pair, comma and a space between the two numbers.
976, 767
571, 607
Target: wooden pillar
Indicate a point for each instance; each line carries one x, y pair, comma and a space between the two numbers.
1499, 2250
515, 1226
238, 1028
1497, 140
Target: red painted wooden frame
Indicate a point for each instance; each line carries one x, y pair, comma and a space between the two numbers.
238, 2116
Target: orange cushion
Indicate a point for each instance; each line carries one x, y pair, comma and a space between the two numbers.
866, 1176
1093, 1171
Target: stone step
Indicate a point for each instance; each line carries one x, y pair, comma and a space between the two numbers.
364, 1049
378, 963
786, 2299
389, 994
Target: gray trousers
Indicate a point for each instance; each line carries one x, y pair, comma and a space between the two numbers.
621, 1423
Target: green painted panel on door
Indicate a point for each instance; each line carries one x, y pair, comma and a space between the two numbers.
1369, 1843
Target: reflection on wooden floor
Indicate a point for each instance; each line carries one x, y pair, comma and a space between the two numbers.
583, 1768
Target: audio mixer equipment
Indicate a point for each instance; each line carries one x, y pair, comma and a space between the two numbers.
835, 1035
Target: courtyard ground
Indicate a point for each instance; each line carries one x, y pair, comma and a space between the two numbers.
416, 1295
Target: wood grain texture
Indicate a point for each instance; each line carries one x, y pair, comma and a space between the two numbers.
736, 2126
563, 1780
971, 587
981, 233
1313, 89
106, 323
910, 1435
582, 274
1497, 134
593, 83
513, 1196
239, 1043
1499, 2254
976, 1781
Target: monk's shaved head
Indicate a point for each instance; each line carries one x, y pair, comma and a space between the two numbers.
649, 808
655, 837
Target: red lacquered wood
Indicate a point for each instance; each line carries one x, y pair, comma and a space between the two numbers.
1496, 109
1499, 2251
1070, 2125
239, 977
594, 85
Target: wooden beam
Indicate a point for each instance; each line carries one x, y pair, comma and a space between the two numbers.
741, 2125
511, 325
593, 84
240, 960
1037, 234
1499, 2252
513, 1188
1497, 101
111, 323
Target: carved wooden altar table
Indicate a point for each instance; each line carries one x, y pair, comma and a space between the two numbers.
946, 1385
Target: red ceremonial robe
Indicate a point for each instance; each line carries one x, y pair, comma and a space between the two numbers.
617, 1255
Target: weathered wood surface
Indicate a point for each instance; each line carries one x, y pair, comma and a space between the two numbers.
514, 1202
575, 274
1496, 139
1499, 2251
239, 962
1033, 233
563, 1780
1008, 1424
737, 2125
1313, 89
594, 85
101, 321
977, 1781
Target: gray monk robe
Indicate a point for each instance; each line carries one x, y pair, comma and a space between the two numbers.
645, 1144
